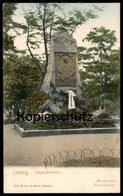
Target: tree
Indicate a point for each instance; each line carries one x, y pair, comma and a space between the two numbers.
11, 61
45, 21
8, 11
101, 65
8, 25
20, 79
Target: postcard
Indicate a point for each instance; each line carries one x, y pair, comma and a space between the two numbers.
61, 86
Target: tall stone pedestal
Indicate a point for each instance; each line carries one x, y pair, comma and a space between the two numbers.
62, 72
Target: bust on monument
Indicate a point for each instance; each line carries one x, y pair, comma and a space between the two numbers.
65, 69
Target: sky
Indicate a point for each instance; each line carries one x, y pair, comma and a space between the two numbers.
108, 18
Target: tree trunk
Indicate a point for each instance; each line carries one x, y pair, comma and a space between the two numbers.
10, 115
102, 102
45, 44
102, 95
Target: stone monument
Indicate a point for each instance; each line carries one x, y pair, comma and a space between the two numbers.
62, 71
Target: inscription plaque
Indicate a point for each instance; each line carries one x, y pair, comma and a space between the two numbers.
65, 69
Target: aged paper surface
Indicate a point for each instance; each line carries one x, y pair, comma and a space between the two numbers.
24, 170
40, 179
65, 180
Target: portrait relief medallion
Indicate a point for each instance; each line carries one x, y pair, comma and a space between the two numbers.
65, 69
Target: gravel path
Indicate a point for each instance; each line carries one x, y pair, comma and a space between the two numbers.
31, 151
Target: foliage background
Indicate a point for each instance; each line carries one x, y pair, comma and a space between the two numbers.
27, 31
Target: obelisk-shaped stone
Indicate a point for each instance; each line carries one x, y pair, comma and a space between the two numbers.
62, 71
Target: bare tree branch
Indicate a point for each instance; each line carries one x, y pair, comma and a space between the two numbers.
52, 22
34, 59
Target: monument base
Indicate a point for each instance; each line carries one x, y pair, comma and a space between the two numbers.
34, 133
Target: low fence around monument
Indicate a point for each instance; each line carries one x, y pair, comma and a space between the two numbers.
21, 128
51, 132
57, 158
24, 124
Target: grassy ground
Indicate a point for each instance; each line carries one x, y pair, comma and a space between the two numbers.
102, 161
